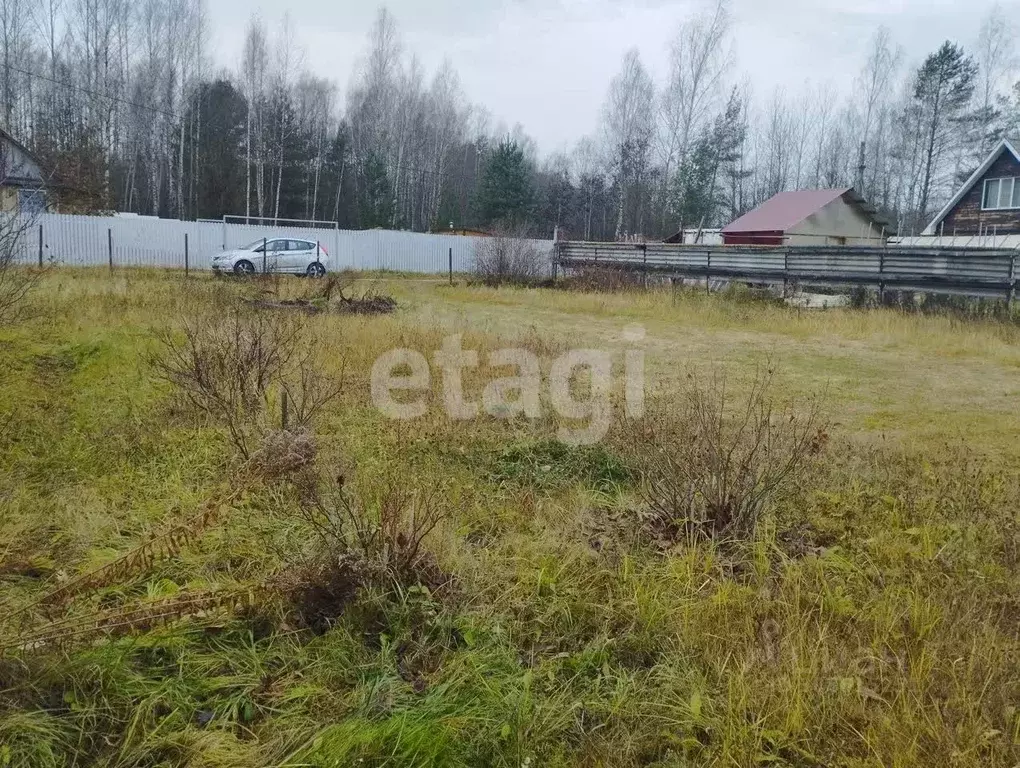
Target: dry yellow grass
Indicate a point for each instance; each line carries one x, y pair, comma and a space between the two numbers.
872, 621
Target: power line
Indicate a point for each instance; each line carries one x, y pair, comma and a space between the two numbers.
90, 92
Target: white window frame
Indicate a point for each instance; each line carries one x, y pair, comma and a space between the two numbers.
1014, 182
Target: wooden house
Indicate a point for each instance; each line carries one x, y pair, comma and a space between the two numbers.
22, 187
988, 203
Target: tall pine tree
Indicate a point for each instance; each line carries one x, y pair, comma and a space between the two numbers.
507, 194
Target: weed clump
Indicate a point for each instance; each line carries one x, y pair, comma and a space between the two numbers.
235, 368
364, 540
594, 279
710, 470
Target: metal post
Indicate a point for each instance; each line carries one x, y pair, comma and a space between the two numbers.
1011, 293
265, 264
708, 271
187, 266
451, 266
40, 246
881, 272
786, 272
109, 247
318, 252
644, 265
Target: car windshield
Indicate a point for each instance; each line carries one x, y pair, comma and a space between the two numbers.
253, 245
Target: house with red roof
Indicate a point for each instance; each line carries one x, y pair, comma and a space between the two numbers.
810, 217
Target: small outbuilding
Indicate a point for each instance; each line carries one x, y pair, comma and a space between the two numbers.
810, 217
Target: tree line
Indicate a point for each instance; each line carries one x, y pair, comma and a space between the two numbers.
118, 100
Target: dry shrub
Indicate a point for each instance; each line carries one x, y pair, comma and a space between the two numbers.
15, 280
283, 453
711, 468
363, 541
508, 257
251, 371
335, 294
602, 280
386, 531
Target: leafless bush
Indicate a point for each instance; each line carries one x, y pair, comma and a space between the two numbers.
508, 257
602, 280
712, 469
362, 540
15, 280
251, 371
386, 531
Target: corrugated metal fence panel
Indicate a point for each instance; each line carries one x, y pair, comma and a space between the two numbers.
977, 267
966, 271
849, 262
749, 261
145, 241
662, 255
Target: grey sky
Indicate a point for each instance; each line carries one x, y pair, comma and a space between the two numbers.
547, 64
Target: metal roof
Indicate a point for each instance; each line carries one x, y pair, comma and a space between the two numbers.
784, 211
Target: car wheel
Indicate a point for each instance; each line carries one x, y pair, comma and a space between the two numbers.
316, 270
244, 268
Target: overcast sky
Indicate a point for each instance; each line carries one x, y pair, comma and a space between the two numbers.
547, 64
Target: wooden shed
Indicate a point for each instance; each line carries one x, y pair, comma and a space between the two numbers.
810, 217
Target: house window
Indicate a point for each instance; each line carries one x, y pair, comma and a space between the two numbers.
1001, 194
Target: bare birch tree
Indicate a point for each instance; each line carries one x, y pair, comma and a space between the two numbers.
627, 128
700, 57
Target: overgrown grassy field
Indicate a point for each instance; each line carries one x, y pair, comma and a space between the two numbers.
870, 617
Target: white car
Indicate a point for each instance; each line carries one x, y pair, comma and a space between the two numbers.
290, 255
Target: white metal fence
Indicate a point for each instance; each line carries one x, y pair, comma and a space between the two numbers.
151, 242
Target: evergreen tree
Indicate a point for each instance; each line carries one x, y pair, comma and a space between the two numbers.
943, 88
506, 195
214, 167
694, 196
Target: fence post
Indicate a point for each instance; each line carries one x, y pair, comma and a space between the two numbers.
708, 272
318, 252
451, 266
265, 244
109, 247
1012, 283
187, 266
786, 272
40, 246
881, 273
644, 266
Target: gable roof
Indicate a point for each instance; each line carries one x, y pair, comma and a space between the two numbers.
20, 166
1006, 145
784, 211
